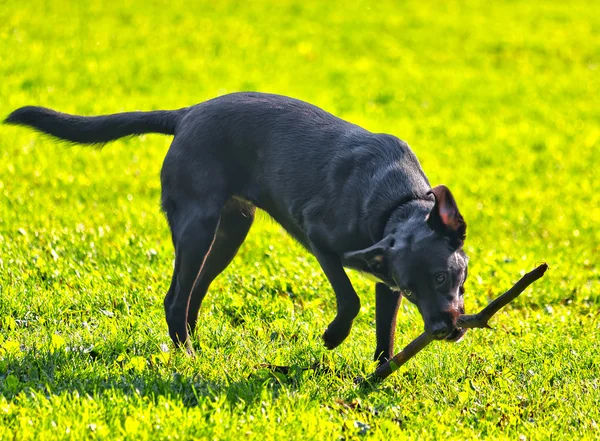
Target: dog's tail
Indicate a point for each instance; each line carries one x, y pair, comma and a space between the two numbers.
96, 129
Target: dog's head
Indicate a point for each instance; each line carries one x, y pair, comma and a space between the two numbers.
425, 260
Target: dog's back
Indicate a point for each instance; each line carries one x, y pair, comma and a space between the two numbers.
307, 167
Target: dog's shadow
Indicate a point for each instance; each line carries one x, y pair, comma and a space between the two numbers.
59, 372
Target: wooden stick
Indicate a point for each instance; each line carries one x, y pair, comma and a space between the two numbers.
464, 321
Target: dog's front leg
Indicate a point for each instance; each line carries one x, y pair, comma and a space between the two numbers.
386, 310
348, 303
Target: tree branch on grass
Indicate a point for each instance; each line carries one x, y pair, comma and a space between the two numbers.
479, 320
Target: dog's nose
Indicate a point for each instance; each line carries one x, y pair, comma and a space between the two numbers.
439, 330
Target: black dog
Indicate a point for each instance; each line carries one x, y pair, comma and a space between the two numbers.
335, 187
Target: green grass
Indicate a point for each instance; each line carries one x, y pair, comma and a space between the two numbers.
499, 100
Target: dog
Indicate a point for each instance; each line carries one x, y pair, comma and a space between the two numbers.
352, 198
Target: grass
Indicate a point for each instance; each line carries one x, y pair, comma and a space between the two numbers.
498, 100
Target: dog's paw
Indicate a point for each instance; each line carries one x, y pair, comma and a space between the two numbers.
327, 340
334, 336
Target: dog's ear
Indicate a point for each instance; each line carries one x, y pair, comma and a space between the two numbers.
374, 256
445, 217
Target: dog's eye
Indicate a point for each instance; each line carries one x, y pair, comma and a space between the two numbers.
440, 278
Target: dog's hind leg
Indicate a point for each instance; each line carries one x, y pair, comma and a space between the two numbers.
192, 200
194, 237
236, 220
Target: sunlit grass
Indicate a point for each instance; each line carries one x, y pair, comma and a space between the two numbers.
498, 100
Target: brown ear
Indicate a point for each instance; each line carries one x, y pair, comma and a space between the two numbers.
445, 217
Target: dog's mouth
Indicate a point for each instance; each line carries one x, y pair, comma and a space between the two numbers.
456, 335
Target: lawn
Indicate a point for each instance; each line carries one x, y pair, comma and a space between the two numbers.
499, 100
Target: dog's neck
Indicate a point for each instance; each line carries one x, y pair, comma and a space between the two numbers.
403, 216
380, 223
